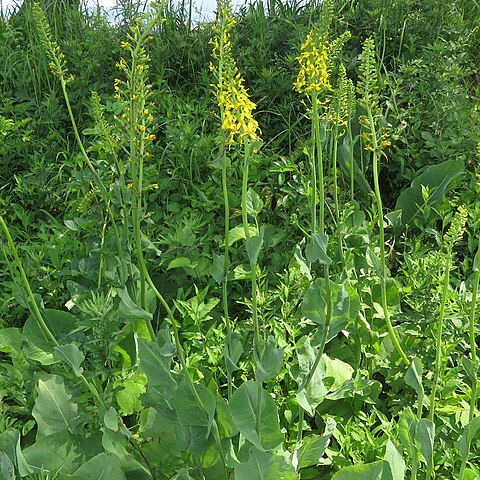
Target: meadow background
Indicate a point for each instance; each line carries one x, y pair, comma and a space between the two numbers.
243, 247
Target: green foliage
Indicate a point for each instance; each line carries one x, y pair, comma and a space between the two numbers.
168, 306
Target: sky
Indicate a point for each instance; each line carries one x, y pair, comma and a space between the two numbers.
204, 7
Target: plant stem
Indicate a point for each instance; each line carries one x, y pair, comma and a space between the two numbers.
473, 350
226, 265
317, 170
383, 280
438, 353
96, 177
33, 307
321, 348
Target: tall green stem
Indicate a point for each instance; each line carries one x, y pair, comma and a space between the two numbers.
33, 307
317, 170
473, 350
383, 279
226, 265
438, 353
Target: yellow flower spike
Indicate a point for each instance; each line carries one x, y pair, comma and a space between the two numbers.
232, 96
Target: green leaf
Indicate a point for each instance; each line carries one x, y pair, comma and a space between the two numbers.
225, 420
110, 419
315, 301
129, 309
104, 466
7, 469
53, 409
255, 414
312, 448
317, 249
315, 392
476, 262
368, 471
270, 362
38, 347
10, 340
337, 372
254, 203
395, 462
254, 245
10, 447
233, 352
469, 434
62, 451
265, 466
71, 355
424, 438
413, 377
161, 386
407, 427
437, 178
195, 410
128, 392
238, 233
180, 262
216, 270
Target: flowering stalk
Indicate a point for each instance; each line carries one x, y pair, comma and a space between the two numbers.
135, 123
375, 141
338, 117
453, 235
58, 67
317, 63
238, 128
313, 81
473, 348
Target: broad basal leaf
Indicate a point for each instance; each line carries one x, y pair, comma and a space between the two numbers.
10, 447
104, 466
265, 466
194, 409
255, 414
369, 471
53, 410
161, 386
312, 448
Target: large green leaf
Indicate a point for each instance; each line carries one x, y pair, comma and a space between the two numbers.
315, 392
270, 362
194, 409
413, 377
312, 448
265, 466
62, 451
315, 306
395, 462
37, 346
316, 250
161, 386
10, 447
129, 309
470, 432
53, 410
437, 178
255, 414
369, 471
10, 339
104, 466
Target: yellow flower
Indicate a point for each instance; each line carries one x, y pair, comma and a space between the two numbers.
232, 97
313, 74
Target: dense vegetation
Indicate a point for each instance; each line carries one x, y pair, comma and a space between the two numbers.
243, 249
